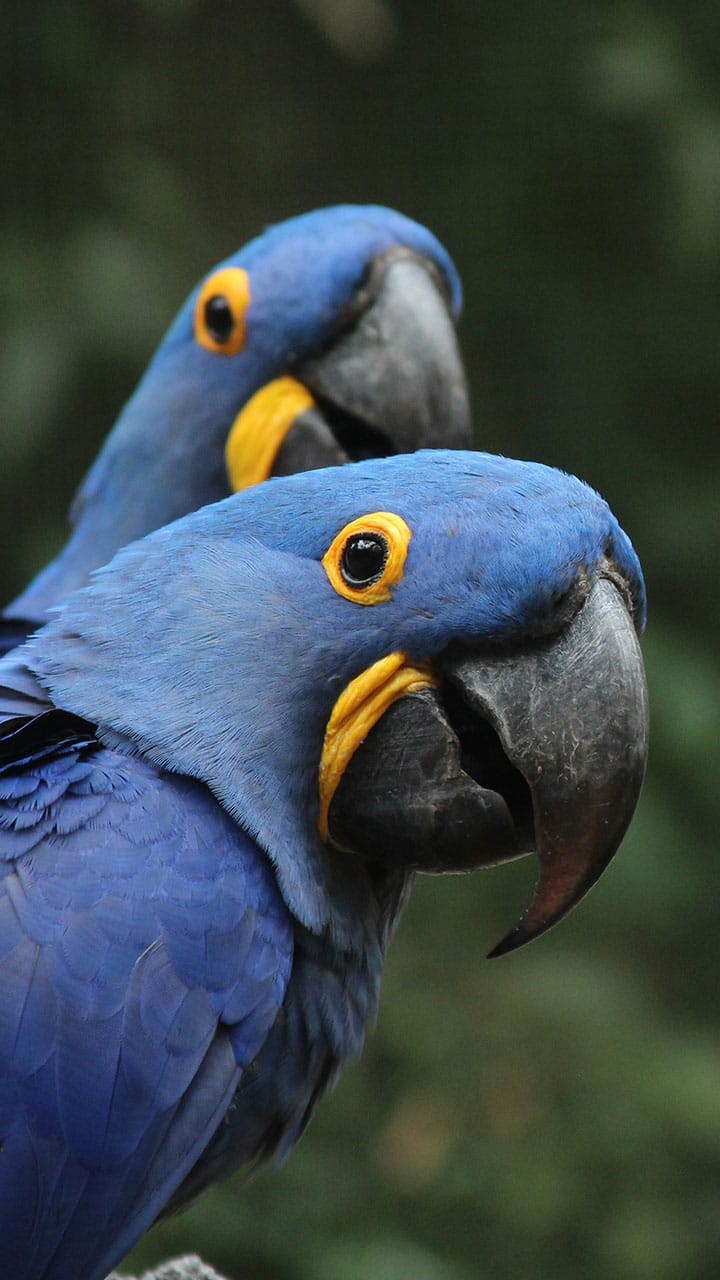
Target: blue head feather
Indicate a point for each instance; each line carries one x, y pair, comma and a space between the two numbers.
217, 647
305, 274
165, 455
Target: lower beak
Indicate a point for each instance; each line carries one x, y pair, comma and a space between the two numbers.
393, 382
539, 749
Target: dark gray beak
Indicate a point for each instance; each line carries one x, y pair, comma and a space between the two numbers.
392, 383
541, 748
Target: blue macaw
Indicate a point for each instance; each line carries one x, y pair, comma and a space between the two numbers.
327, 339
188, 953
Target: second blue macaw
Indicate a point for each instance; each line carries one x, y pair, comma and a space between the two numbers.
328, 338
191, 937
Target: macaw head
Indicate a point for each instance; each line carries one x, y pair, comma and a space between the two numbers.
327, 339
426, 662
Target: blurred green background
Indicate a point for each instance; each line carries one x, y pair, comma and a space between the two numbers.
555, 1114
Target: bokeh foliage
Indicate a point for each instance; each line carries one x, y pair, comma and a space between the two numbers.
556, 1114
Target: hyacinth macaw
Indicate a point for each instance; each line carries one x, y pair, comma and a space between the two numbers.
328, 338
192, 931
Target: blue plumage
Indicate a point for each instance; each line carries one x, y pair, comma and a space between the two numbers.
308, 285
137, 979
174, 935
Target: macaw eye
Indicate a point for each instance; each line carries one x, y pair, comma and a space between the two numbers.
220, 311
219, 321
363, 559
367, 557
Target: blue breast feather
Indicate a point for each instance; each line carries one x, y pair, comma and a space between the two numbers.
145, 956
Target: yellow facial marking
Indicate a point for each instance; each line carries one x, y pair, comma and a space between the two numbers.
360, 542
358, 708
220, 311
260, 428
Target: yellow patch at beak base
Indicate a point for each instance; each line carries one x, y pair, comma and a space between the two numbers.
260, 428
359, 707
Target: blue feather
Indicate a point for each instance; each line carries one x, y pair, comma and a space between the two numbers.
184, 966
165, 455
109, 1019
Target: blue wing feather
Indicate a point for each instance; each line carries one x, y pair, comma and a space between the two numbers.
329, 1000
144, 954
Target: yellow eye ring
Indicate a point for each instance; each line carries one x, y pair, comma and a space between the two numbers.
220, 310
367, 557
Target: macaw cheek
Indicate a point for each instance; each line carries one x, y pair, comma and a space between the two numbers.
356, 712
283, 430
261, 430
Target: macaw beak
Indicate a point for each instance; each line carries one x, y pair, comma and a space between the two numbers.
392, 382
539, 748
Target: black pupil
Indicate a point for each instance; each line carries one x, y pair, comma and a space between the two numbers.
218, 318
363, 559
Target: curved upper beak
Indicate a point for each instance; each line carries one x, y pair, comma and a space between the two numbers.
541, 748
397, 373
392, 382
